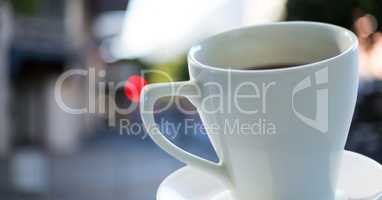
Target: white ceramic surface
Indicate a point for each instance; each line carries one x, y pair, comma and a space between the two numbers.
359, 177
284, 129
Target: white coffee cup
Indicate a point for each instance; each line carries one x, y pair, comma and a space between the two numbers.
279, 133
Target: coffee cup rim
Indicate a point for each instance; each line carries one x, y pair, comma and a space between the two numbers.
352, 37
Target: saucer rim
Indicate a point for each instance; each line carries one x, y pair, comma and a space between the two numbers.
365, 158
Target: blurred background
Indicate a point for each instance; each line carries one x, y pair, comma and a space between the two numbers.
96, 152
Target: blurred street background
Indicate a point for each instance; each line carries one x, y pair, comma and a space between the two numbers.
99, 153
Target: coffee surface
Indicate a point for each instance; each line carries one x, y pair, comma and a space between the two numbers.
273, 66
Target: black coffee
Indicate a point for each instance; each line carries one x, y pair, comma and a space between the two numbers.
273, 66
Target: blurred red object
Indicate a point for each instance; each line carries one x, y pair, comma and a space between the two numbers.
133, 87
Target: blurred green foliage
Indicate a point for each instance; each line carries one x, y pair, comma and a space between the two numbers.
174, 70
26, 7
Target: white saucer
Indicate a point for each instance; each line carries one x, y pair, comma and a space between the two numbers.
360, 176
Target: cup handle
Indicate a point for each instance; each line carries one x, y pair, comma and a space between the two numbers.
150, 94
